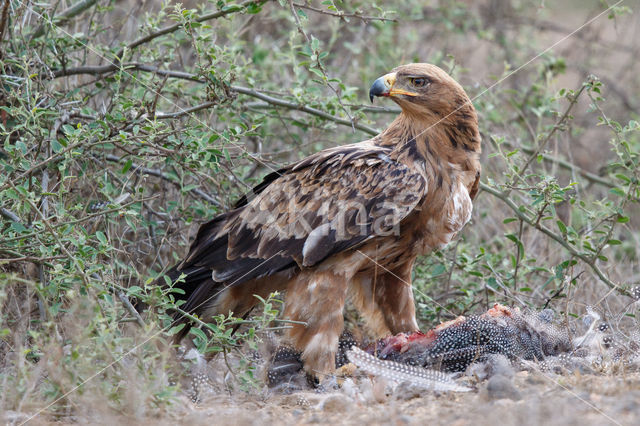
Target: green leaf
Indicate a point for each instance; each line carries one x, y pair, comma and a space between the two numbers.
18, 227
517, 241
438, 270
617, 191
198, 333
101, 237
175, 329
253, 8
623, 177
317, 72
561, 226
127, 166
231, 8
56, 146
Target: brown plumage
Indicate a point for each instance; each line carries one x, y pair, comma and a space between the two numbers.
346, 222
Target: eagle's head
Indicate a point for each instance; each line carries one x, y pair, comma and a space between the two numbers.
422, 90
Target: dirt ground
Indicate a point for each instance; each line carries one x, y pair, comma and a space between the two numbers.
514, 398
529, 398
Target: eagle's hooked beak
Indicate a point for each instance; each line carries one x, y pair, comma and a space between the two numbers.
384, 87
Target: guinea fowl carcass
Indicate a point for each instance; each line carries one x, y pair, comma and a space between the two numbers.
450, 347
454, 345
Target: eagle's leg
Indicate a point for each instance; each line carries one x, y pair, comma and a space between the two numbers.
385, 300
317, 299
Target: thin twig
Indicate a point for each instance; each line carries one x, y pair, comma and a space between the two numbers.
299, 107
55, 236
592, 177
342, 15
80, 220
32, 259
187, 111
45, 162
172, 28
319, 64
560, 123
136, 168
132, 310
103, 69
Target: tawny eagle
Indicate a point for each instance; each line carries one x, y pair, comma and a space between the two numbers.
346, 222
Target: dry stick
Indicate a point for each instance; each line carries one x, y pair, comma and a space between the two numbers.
31, 259
187, 111
357, 107
299, 107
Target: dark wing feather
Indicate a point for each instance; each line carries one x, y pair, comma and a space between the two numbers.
328, 203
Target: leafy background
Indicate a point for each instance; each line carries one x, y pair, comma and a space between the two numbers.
127, 124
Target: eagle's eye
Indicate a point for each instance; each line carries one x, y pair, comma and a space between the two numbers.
419, 82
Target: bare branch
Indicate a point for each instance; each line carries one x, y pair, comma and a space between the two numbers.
592, 177
342, 15
8, 214
165, 116
98, 70
65, 15
158, 173
132, 310
299, 107
559, 124
4, 18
